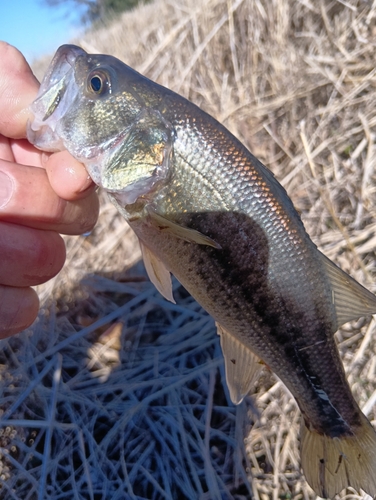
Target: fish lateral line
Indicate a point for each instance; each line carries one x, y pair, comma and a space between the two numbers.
319, 342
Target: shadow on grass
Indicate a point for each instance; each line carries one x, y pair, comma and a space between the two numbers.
119, 394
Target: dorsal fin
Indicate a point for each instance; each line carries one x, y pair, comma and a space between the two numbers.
157, 272
351, 300
241, 365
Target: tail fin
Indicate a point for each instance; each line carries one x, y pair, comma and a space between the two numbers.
332, 464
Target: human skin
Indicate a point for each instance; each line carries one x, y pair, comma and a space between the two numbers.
41, 195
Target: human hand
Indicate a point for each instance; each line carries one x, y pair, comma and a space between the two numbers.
41, 195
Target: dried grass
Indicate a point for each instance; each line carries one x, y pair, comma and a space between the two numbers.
137, 409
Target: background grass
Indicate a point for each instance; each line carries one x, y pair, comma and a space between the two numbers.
115, 393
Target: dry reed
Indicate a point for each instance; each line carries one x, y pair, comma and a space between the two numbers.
115, 393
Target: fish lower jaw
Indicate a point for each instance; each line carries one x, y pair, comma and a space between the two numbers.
43, 137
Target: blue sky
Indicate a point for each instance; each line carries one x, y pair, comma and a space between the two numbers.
35, 28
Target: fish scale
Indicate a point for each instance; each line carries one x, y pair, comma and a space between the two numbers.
205, 209
282, 272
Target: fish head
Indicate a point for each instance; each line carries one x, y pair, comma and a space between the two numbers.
107, 116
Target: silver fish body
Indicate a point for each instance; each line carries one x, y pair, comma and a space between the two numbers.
205, 209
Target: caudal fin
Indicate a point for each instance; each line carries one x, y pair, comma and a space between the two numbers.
332, 464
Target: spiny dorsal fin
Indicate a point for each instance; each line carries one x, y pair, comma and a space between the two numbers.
241, 365
157, 272
350, 298
184, 233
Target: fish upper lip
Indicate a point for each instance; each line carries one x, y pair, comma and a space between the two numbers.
57, 90
57, 77
63, 61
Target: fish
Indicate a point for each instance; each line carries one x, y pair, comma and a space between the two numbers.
209, 212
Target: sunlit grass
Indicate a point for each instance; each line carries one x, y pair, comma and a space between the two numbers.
117, 393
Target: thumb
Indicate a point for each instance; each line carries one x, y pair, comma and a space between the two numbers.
18, 88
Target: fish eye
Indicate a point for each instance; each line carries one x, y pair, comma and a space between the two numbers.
99, 82
96, 83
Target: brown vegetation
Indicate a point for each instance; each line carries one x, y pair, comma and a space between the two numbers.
137, 410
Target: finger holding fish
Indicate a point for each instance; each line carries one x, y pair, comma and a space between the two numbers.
18, 88
69, 178
42, 208
18, 309
40, 196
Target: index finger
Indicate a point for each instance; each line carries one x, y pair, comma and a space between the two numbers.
18, 88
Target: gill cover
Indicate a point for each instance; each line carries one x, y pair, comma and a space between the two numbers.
140, 160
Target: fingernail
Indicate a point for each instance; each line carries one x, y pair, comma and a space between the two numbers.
6, 189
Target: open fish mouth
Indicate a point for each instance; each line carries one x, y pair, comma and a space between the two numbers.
57, 92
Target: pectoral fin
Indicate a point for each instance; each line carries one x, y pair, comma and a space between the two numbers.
184, 233
241, 365
157, 272
351, 300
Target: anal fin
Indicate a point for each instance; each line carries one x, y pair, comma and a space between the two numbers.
157, 272
241, 365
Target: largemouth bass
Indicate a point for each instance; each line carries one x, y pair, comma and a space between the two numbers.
205, 209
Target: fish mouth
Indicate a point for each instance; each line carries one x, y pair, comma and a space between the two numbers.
56, 94
64, 60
